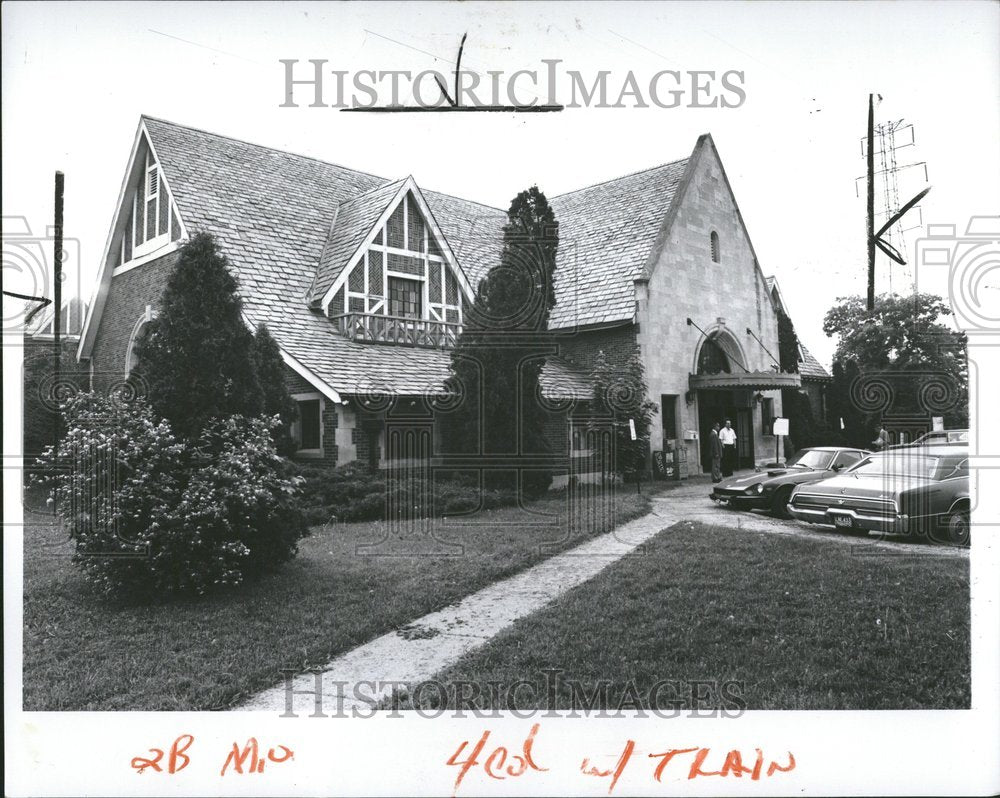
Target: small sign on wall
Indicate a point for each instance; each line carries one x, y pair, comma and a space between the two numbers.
937, 423
781, 426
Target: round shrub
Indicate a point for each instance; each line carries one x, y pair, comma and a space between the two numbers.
154, 516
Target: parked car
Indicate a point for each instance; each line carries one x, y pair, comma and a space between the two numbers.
943, 436
771, 489
914, 490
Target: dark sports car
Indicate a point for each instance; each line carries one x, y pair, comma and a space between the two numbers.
771, 489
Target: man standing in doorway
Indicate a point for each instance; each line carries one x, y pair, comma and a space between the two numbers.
727, 437
715, 450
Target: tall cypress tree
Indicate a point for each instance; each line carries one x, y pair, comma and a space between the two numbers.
197, 359
499, 356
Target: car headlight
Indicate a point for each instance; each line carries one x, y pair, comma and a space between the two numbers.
755, 489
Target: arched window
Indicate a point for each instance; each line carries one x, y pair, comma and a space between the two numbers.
715, 247
139, 332
713, 359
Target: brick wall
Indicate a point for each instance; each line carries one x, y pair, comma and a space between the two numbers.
581, 348
329, 419
127, 299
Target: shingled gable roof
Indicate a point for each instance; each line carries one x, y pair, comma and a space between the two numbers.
606, 234
273, 213
353, 219
810, 367
363, 231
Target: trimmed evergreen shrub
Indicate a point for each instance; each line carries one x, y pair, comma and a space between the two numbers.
499, 357
275, 398
353, 492
197, 359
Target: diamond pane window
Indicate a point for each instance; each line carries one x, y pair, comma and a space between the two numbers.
404, 298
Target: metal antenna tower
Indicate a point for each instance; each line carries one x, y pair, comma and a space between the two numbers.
890, 237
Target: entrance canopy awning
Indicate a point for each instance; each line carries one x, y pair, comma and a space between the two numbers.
753, 380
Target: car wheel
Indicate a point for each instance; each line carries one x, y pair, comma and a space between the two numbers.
779, 504
958, 528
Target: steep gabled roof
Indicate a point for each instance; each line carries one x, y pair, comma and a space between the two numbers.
810, 367
288, 223
474, 231
271, 210
606, 233
353, 220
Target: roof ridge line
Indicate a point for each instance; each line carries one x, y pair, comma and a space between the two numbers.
364, 194
621, 177
311, 158
501, 211
262, 146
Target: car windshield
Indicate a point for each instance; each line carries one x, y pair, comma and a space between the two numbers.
898, 464
811, 458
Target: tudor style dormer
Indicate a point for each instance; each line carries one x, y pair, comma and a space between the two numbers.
400, 284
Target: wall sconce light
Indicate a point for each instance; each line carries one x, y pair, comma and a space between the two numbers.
757, 398
689, 397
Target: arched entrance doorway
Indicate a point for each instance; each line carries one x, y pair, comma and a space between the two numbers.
720, 353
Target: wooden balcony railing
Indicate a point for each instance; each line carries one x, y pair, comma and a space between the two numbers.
400, 331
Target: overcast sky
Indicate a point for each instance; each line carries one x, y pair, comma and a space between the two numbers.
77, 76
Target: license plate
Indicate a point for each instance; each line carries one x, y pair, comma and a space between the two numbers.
843, 520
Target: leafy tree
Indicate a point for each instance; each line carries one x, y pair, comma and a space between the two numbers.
499, 356
788, 343
620, 394
197, 359
276, 400
903, 351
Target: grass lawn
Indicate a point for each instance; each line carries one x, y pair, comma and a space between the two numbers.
83, 652
801, 623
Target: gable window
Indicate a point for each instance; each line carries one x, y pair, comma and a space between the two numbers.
402, 273
715, 247
404, 298
307, 429
150, 220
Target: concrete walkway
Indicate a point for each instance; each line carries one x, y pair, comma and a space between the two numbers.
435, 641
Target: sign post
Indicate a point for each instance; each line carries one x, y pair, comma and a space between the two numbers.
780, 428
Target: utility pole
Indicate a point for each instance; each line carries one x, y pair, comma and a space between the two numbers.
57, 254
871, 203
876, 239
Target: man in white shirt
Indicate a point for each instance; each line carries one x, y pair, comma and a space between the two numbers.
727, 437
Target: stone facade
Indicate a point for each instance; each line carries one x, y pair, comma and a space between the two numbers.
728, 296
